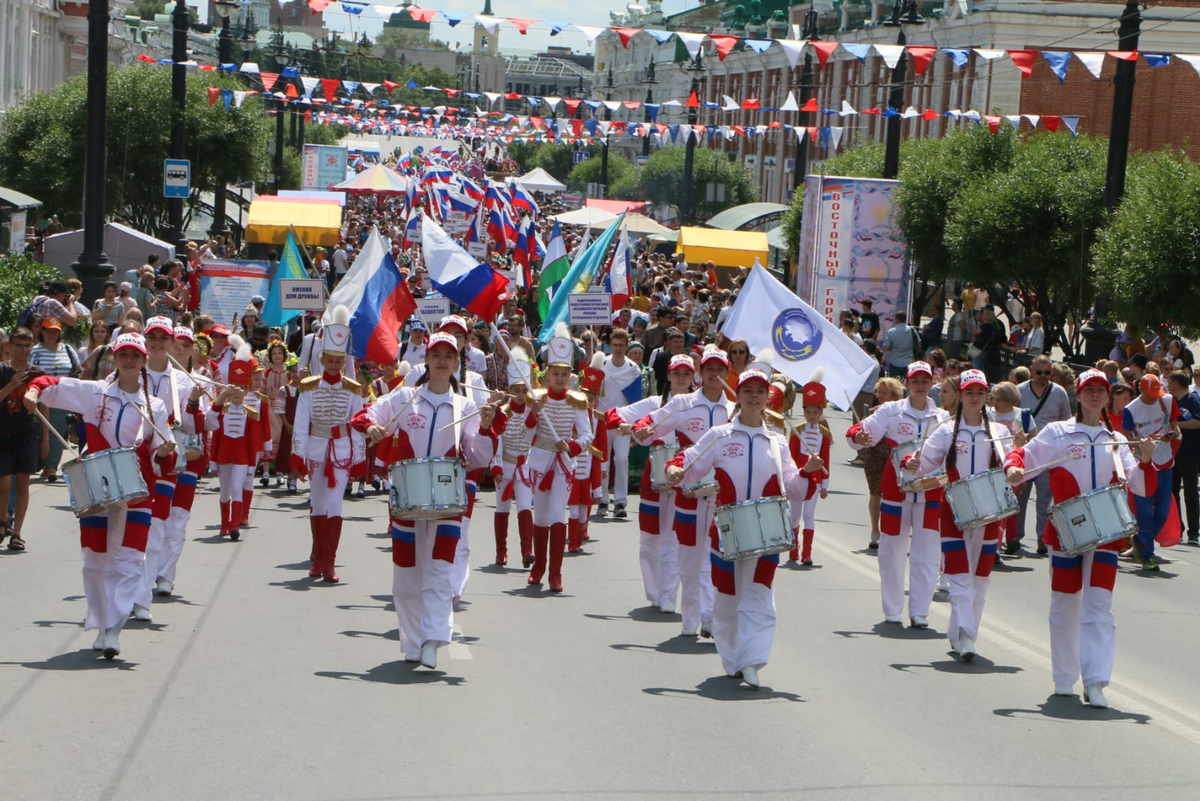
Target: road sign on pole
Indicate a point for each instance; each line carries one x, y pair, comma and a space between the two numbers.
177, 178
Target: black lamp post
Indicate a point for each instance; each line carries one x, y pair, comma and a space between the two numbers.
650, 81
689, 153
92, 267
282, 58
604, 144
807, 92
180, 21
903, 13
224, 56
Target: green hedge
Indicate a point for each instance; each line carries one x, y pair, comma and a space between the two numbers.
20, 279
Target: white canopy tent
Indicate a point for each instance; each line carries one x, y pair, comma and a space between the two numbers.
592, 217
125, 247
538, 180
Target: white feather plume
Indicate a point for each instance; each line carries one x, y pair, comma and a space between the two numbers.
817, 375
339, 315
403, 369
562, 330
519, 354
597, 360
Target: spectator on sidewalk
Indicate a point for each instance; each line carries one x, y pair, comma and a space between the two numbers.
20, 436
868, 322
1049, 403
1187, 460
958, 333
900, 345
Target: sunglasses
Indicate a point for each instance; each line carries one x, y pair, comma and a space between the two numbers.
1043, 372
739, 352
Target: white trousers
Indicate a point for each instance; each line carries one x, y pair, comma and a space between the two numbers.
659, 557
326, 500
233, 481
423, 594
695, 570
112, 581
1083, 630
618, 460
522, 493
921, 546
174, 536
550, 506
743, 624
968, 592
461, 570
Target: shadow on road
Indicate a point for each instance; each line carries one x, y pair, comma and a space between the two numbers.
393, 635
893, 631
83, 659
725, 688
398, 672
541, 590
1071, 708
675, 645
306, 583
977, 665
1007, 566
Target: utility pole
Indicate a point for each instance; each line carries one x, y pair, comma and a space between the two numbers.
1122, 109
225, 9
891, 155
650, 81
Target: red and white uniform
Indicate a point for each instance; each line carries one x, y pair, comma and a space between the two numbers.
971, 554
691, 416
589, 470
1083, 630
806, 441
424, 551
328, 446
114, 545
511, 477
744, 605
240, 432
909, 521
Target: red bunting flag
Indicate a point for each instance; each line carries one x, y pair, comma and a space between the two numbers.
810, 105
632, 105
692, 101
738, 129
993, 123
824, 50
319, 5
1023, 60
330, 87
577, 127
292, 93
522, 25
1051, 121
390, 85
425, 15
751, 103
571, 103
269, 79
207, 68
921, 57
724, 44
213, 94
1123, 55
929, 115
146, 59
625, 35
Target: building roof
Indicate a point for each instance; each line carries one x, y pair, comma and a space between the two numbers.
11, 198
748, 215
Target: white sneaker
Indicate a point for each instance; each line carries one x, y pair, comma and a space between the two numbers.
429, 654
163, 587
141, 613
892, 619
694, 631
412, 657
966, 649
1064, 690
1093, 696
98, 645
667, 610
918, 622
943, 584
112, 645
750, 676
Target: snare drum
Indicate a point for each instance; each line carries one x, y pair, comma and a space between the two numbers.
191, 446
1093, 519
907, 480
754, 528
659, 456
428, 489
104, 482
702, 488
981, 499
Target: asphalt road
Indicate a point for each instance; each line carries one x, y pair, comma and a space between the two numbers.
256, 682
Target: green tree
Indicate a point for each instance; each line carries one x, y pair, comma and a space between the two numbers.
20, 280
661, 179
42, 143
1147, 259
588, 171
559, 159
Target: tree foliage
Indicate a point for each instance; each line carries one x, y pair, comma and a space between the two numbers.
21, 278
587, 172
661, 180
42, 143
1147, 259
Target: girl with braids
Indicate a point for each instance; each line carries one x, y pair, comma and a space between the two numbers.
114, 544
1082, 627
659, 550
966, 448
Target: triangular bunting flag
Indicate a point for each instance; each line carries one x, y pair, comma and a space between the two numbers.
1093, 61
824, 50
1058, 63
790, 103
890, 54
1072, 124
921, 57
625, 34
724, 44
1023, 59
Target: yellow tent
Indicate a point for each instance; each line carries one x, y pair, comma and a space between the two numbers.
317, 222
723, 248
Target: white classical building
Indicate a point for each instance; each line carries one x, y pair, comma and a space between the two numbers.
35, 54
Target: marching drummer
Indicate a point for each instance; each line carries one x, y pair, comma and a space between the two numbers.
658, 553
509, 472
414, 422
690, 416
173, 492
1082, 627
751, 462
323, 438
972, 446
908, 520
114, 544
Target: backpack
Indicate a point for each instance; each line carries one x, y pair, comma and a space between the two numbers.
25, 316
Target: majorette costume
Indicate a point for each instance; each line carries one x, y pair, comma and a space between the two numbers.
240, 431
908, 520
971, 554
424, 551
749, 463
1083, 631
324, 440
173, 492
283, 406
114, 544
509, 471
689, 417
805, 442
563, 418
590, 463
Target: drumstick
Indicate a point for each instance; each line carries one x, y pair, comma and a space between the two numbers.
1043, 468
475, 413
150, 420
55, 431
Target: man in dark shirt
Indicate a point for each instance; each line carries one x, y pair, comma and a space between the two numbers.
1187, 460
20, 436
869, 322
653, 336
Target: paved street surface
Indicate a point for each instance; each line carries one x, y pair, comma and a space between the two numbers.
256, 682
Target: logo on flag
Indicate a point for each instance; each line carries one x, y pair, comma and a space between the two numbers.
794, 335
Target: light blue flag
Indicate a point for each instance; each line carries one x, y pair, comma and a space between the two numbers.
291, 265
581, 275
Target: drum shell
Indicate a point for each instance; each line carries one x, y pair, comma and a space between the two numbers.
908, 482
755, 528
190, 448
981, 499
702, 488
103, 482
659, 456
428, 489
1093, 519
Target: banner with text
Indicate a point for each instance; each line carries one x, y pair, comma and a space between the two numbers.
323, 167
226, 286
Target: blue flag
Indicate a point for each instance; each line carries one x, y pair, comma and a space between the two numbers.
290, 266
578, 279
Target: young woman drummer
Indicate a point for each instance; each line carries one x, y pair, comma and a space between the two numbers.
114, 544
1082, 627
751, 461
424, 551
967, 448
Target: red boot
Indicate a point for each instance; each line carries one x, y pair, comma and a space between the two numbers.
806, 552
225, 518
541, 540
333, 536
501, 525
317, 524
525, 532
235, 520
558, 544
794, 554
247, 496
574, 536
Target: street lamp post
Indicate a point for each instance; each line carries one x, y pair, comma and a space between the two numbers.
807, 92
92, 267
179, 54
903, 13
282, 59
689, 153
604, 143
224, 56
650, 81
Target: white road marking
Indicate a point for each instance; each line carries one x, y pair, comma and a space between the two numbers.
457, 649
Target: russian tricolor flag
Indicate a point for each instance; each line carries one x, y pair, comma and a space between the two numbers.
617, 280
378, 299
458, 276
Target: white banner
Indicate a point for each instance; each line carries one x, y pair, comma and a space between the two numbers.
589, 308
306, 294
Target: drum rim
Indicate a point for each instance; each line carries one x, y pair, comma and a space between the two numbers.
421, 459
775, 499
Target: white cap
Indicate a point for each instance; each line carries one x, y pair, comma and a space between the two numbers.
561, 349
518, 368
337, 332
